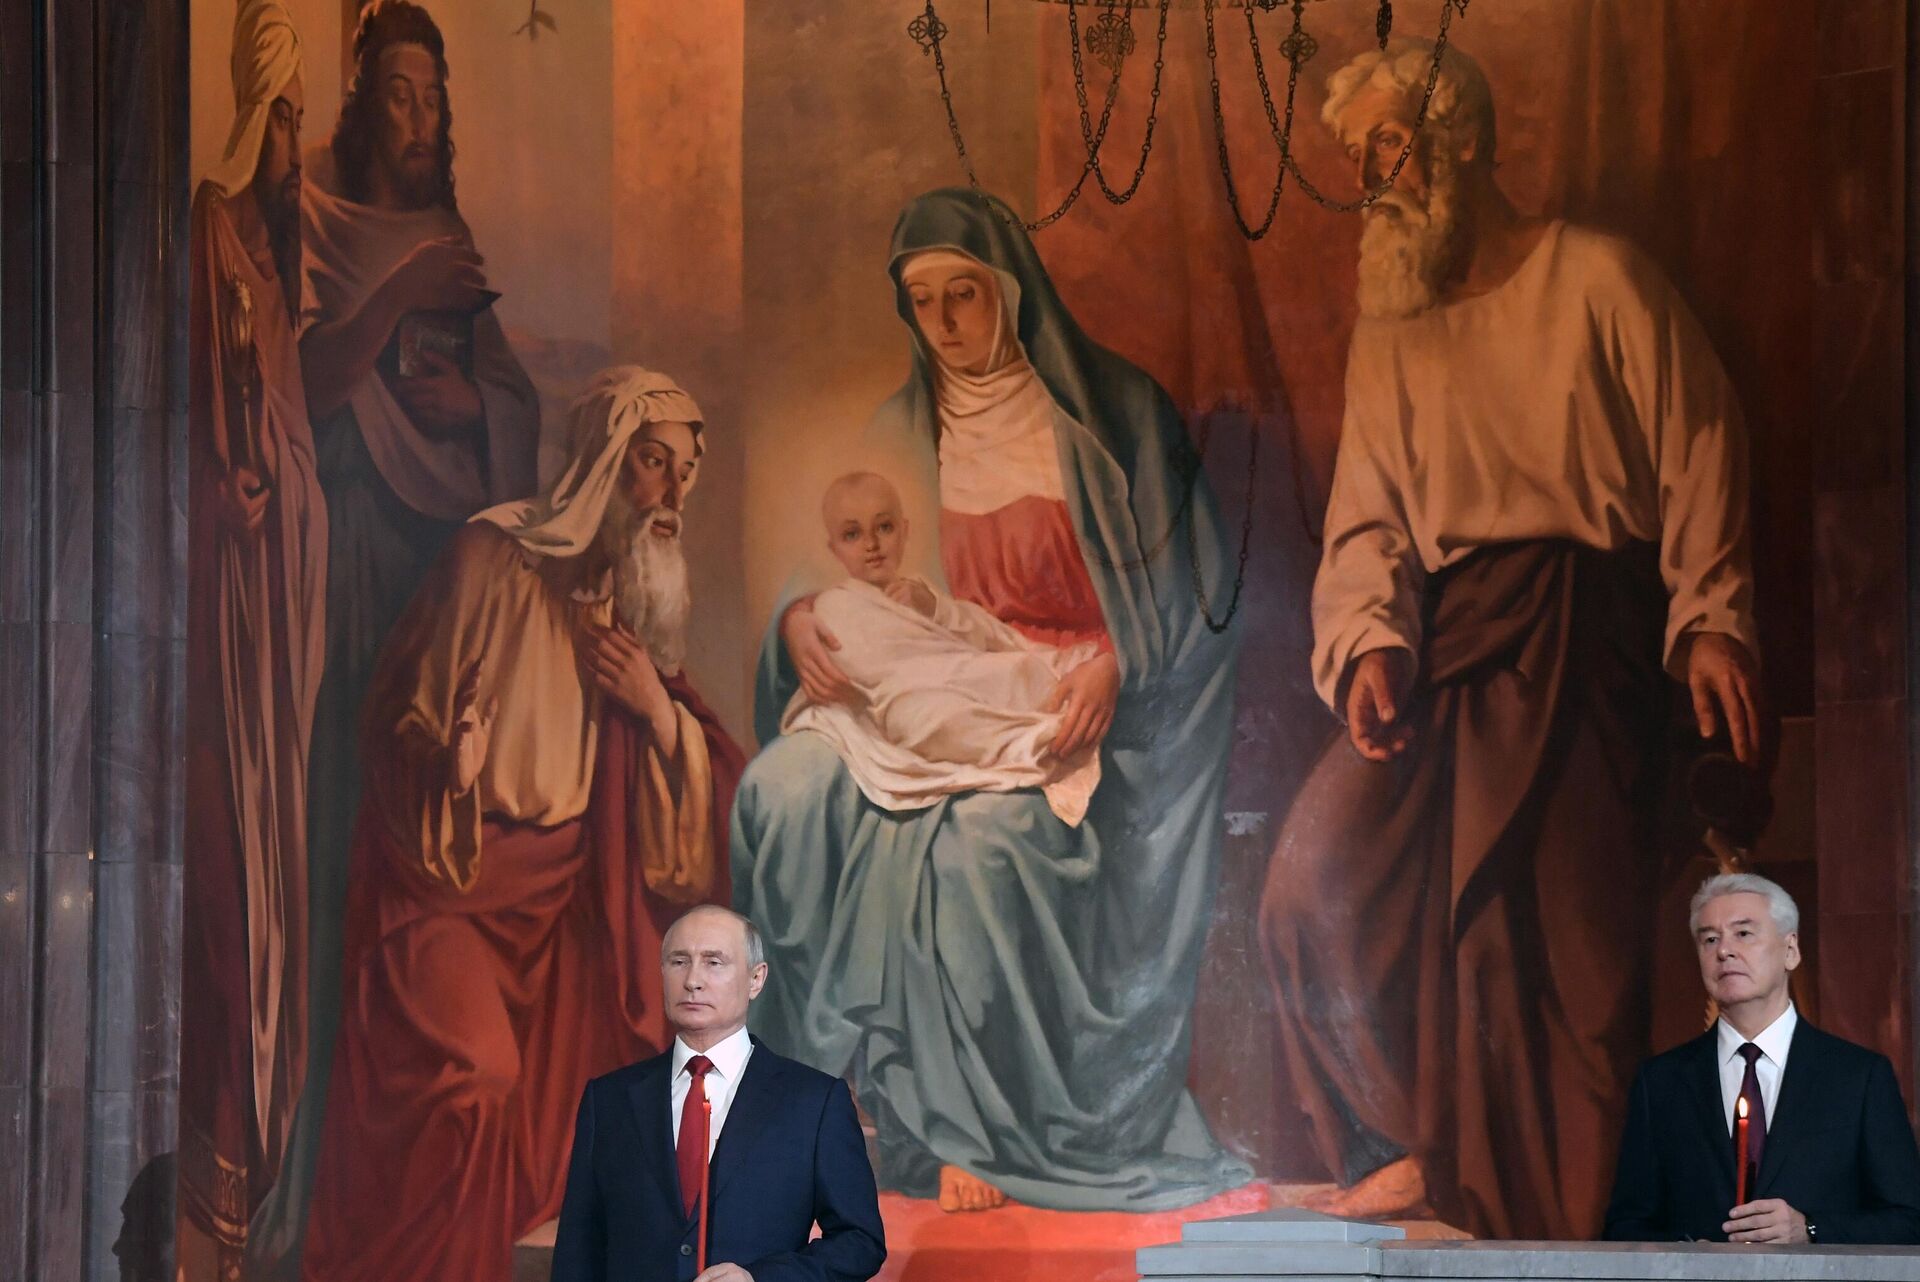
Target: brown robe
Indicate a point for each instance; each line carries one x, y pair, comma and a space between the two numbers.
1458, 938
254, 650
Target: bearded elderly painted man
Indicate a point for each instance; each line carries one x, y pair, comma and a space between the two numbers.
1538, 515
544, 794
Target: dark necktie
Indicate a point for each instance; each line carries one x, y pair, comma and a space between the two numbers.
1756, 1105
690, 1150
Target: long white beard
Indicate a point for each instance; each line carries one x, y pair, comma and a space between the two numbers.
1406, 250
651, 594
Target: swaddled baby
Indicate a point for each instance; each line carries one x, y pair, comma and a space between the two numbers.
950, 699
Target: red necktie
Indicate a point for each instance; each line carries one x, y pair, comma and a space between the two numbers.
690, 1150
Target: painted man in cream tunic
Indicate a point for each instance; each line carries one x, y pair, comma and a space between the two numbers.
1538, 517
544, 794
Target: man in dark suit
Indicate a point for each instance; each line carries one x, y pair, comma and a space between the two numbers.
785, 1146
1831, 1156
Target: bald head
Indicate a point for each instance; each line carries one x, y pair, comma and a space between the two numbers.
857, 491
866, 526
750, 946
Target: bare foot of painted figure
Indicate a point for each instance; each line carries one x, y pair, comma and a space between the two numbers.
1397, 1191
964, 1191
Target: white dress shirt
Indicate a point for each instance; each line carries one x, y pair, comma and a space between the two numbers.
1774, 1041
729, 1058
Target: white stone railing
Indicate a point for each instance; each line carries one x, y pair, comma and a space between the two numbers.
1299, 1246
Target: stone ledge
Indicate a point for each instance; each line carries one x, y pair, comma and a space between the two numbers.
1299, 1246
1633, 1261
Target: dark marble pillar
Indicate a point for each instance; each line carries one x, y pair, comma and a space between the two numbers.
138, 632
1861, 511
48, 372
18, 221
92, 418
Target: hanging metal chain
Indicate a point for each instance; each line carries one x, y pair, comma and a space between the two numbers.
929, 32
1299, 48
1094, 140
1089, 137
1373, 194
1217, 626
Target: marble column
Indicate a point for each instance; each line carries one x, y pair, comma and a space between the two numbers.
47, 371
91, 417
138, 616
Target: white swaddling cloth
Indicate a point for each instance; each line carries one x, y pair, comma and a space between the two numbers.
949, 704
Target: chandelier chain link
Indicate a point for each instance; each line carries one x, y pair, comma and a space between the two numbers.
1297, 53
929, 32
1114, 45
1094, 141
1200, 596
1373, 194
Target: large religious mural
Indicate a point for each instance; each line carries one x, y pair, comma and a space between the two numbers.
1199, 570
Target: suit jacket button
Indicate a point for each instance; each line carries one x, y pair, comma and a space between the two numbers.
685, 1249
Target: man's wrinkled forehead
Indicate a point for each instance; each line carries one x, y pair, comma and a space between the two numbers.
673, 437
411, 62
705, 932
1739, 908
1372, 106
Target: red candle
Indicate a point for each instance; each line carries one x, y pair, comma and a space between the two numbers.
1740, 1153
706, 1138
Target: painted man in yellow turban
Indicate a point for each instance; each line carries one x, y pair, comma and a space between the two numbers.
256, 587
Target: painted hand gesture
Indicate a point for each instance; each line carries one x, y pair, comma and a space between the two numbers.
624, 671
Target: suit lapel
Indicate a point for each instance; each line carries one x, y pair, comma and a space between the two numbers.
651, 1095
1704, 1078
1790, 1108
754, 1104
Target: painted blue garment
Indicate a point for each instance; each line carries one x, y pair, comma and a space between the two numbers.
1012, 995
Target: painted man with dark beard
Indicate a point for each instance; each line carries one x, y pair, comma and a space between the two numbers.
1538, 519
543, 795
256, 576
408, 445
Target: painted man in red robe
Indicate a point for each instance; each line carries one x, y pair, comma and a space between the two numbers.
257, 564
544, 794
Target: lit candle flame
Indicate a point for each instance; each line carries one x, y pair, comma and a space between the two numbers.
1741, 1107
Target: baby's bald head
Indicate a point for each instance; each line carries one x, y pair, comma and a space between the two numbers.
866, 527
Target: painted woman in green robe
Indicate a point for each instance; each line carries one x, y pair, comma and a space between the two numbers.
1013, 996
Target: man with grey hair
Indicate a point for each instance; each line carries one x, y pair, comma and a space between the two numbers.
647, 1148
544, 791
1827, 1152
1538, 514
